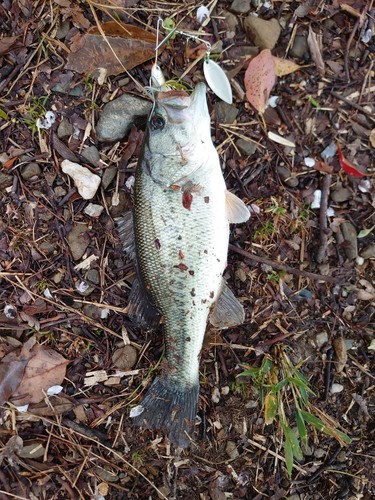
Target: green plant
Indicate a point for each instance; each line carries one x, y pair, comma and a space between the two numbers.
265, 231
284, 393
35, 112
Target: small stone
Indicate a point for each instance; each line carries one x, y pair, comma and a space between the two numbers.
118, 116
86, 182
59, 191
231, 450
47, 248
350, 244
287, 177
263, 33
321, 339
78, 240
341, 457
63, 29
319, 453
3, 158
91, 154
307, 450
231, 22
225, 113
65, 129
6, 180
341, 194
240, 6
93, 276
246, 148
125, 358
336, 388
108, 176
93, 210
91, 311
369, 252
300, 47
31, 170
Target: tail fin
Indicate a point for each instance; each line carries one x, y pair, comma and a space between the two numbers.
168, 408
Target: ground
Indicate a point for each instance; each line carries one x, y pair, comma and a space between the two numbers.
305, 275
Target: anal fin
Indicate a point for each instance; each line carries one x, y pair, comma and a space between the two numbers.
227, 311
236, 209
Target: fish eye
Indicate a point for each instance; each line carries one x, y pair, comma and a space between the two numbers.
157, 122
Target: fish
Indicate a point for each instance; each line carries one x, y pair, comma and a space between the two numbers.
180, 220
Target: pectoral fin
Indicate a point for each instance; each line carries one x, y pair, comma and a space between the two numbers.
140, 309
227, 311
236, 209
125, 231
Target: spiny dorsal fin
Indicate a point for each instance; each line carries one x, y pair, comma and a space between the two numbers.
236, 209
227, 311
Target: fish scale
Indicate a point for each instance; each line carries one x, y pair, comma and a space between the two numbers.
181, 223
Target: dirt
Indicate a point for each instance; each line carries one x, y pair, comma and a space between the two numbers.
305, 276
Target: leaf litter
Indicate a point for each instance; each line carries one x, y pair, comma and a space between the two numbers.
288, 296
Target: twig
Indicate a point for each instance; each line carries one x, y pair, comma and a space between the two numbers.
353, 104
324, 467
327, 374
347, 49
322, 252
284, 267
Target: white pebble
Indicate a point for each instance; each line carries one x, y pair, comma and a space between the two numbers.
54, 389
86, 182
309, 162
317, 199
336, 388
136, 411
93, 210
329, 151
272, 101
321, 339
48, 120
330, 212
360, 260
203, 15
10, 311
364, 185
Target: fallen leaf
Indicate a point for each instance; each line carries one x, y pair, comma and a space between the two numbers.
281, 140
348, 167
45, 368
312, 41
340, 353
11, 449
7, 44
27, 372
259, 80
285, 66
124, 47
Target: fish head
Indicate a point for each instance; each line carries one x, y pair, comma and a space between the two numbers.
178, 130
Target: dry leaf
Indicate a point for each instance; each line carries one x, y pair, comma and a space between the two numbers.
372, 138
7, 44
34, 369
259, 80
312, 41
340, 353
285, 66
125, 46
11, 449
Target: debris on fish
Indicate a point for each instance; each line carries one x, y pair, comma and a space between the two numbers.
182, 212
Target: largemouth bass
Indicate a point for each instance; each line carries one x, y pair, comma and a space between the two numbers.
181, 217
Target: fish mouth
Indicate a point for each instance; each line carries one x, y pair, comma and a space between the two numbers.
180, 106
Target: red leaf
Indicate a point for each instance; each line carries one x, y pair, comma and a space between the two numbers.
259, 79
348, 167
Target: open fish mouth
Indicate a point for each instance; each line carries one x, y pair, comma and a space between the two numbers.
180, 106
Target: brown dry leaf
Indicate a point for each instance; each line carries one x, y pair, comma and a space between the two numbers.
12, 369
285, 66
45, 369
7, 44
125, 46
340, 353
70, 10
11, 449
312, 41
259, 80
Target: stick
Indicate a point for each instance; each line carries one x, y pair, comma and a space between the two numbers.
284, 267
